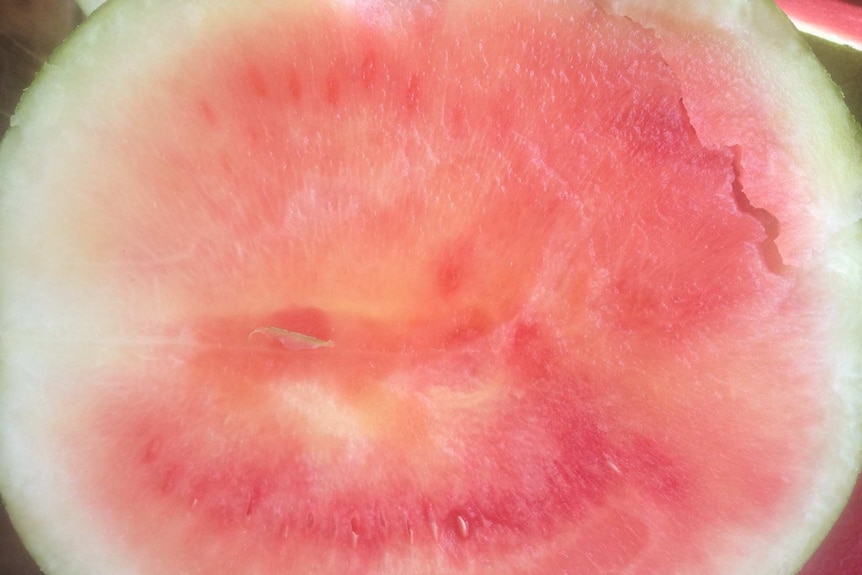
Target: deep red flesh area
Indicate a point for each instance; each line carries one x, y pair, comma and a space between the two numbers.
437, 289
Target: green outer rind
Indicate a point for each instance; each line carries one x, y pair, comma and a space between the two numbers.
835, 164
814, 112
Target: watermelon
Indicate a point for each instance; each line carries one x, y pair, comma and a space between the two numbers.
839, 21
430, 287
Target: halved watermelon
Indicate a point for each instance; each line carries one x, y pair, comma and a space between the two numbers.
430, 287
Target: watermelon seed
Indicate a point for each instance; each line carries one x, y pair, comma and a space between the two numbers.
291, 340
354, 532
462, 526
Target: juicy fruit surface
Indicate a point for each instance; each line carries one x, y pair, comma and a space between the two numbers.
418, 289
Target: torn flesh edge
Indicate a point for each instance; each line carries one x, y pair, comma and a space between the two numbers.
768, 248
769, 251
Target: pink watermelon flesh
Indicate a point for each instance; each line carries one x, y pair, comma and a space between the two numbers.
474, 292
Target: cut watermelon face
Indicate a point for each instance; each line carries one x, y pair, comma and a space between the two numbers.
430, 287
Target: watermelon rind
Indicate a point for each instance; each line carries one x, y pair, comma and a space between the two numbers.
89, 6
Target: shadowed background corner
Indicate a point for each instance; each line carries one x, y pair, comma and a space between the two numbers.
29, 31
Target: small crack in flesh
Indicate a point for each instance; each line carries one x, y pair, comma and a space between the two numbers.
769, 251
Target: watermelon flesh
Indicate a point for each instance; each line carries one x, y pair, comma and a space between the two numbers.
426, 289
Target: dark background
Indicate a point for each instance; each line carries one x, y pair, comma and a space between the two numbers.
30, 29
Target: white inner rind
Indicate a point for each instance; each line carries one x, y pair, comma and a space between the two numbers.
42, 340
89, 6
